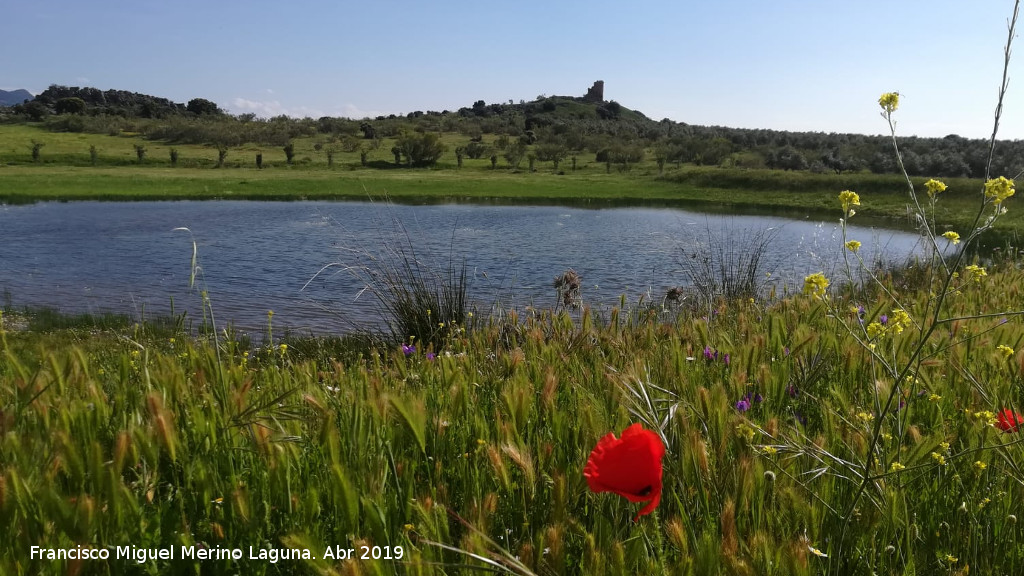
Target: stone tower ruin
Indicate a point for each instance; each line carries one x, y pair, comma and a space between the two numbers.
596, 92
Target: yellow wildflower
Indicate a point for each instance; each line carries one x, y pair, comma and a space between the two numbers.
951, 559
999, 189
865, 417
284, 348
1005, 350
974, 272
875, 330
896, 467
939, 458
770, 450
899, 320
934, 398
848, 199
853, 246
988, 416
952, 237
889, 102
815, 285
979, 465
934, 187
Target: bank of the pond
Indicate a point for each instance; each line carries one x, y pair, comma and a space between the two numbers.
885, 199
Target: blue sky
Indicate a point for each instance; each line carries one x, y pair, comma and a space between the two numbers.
816, 65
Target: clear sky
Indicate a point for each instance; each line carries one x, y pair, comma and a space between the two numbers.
816, 65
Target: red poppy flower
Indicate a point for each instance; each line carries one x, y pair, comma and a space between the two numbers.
1009, 421
629, 466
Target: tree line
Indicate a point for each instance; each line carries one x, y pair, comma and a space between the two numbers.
547, 129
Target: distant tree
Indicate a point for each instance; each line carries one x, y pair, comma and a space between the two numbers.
364, 155
140, 152
36, 111
551, 151
203, 107
368, 131
397, 151
36, 150
71, 105
289, 152
222, 153
476, 149
421, 149
460, 153
515, 152
259, 160
93, 154
787, 158
174, 156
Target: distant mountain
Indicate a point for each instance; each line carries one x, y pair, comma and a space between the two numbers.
14, 97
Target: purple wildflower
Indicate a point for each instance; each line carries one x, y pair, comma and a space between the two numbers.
883, 319
743, 405
758, 398
725, 359
792, 391
710, 354
431, 355
408, 349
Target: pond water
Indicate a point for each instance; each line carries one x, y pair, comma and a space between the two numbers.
259, 256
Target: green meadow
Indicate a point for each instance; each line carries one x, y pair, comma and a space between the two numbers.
65, 172
466, 454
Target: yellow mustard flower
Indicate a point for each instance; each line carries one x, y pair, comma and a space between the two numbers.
979, 465
896, 467
939, 458
934, 187
875, 330
816, 285
952, 237
898, 320
999, 189
889, 102
853, 246
1005, 350
974, 272
848, 199
935, 398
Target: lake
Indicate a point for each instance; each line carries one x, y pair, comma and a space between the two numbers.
307, 261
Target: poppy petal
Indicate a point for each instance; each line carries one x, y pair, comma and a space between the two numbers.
629, 466
1009, 421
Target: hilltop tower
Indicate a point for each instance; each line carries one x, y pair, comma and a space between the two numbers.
596, 92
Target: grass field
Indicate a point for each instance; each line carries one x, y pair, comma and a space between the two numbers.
121, 435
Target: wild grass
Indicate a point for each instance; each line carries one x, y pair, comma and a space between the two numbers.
145, 438
732, 268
